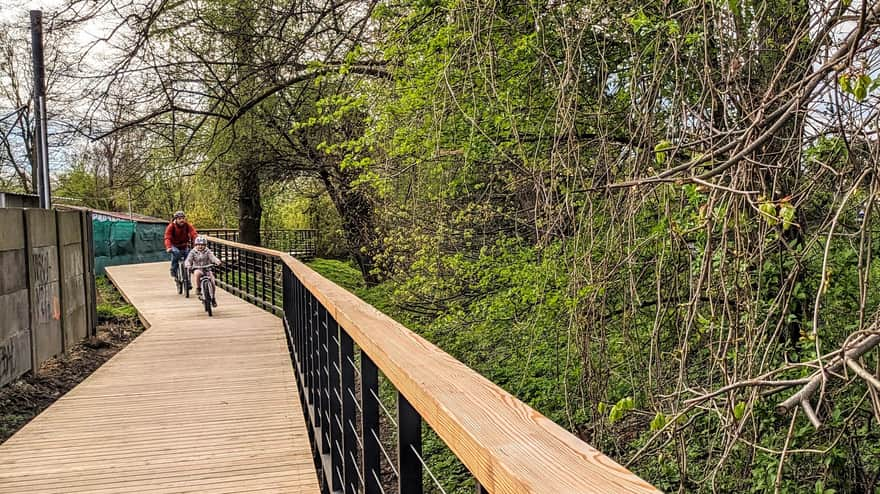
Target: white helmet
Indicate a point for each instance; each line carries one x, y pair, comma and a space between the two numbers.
201, 240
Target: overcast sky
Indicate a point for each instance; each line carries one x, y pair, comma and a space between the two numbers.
10, 10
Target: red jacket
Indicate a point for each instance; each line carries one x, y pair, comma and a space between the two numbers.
179, 236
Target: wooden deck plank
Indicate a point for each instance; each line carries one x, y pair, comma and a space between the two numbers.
195, 404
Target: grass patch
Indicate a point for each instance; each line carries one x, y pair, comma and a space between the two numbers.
111, 306
348, 276
343, 273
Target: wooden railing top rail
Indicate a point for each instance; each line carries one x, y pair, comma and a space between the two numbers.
508, 446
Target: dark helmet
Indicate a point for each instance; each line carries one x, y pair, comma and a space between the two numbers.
179, 214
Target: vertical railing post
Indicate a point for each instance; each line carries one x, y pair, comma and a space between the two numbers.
334, 420
272, 290
308, 349
224, 268
263, 284
300, 326
287, 313
479, 488
252, 279
247, 277
227, 264
351, 482
370, 425
316, 361
236, 253
409, 447
322, 408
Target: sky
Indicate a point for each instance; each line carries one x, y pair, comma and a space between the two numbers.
12, 9
16, 14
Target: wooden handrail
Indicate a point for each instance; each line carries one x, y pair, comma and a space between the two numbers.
507, 445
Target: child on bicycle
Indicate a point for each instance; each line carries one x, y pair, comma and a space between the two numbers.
198, 259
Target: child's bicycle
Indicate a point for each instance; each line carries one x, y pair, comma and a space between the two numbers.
206, 283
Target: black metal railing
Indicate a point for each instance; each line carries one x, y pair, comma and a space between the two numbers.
230, 234
359, 446
301, 244
253, 275
340, 393
350, 426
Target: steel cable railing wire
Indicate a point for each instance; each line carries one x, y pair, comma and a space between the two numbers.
337, 472
385, 453
388, 414
357, 470
357, 403
353, 366
378, 481
353, 428
427, 469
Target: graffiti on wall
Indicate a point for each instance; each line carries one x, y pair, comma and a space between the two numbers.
7, 361
43, 266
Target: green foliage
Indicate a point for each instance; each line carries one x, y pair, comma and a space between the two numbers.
786, 214
305, 205
83, 187
858, 85
768, 210
111, 305
621, 407
660, 151
658, 422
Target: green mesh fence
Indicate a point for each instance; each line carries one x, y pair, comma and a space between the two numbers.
127, 242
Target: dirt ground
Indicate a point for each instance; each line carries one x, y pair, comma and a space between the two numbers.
22, 400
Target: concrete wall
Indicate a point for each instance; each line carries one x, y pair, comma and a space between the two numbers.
42, 245
71, 266
15, 334
46, 287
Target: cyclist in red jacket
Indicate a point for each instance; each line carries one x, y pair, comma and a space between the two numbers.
179, 236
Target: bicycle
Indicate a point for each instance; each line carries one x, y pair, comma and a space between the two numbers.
181, 279
208, 288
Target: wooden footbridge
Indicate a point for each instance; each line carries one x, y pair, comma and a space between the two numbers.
295, 385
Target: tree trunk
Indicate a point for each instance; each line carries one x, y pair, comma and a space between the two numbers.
356, 211
250, 208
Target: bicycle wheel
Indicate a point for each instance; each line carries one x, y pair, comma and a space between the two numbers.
187, 285
207, 296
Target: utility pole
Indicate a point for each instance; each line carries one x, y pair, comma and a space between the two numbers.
41, 134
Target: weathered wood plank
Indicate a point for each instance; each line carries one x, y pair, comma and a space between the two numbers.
195, 404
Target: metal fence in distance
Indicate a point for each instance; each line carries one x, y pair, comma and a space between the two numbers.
301, 244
